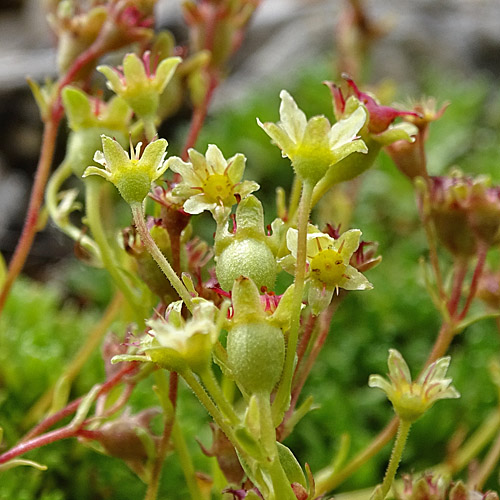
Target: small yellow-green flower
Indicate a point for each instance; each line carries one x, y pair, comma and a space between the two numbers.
211, 182
314, 146
132, 176
328, 267
174, 342
412, 399
140, 87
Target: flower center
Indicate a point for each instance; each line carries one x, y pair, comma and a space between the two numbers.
328, 267
217, 187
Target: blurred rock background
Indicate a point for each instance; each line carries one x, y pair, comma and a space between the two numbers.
456, 35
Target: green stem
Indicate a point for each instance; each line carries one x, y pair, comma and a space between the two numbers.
93, 188
487, 466
149, 129
397, 452
161, 260
281, 485
168, 401
212, 386
283, 394
56, 180
474, 445
294, 197
209, 405
326, 480
185, 462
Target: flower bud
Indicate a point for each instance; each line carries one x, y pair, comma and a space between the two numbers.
147, 268
122, 437
88, 119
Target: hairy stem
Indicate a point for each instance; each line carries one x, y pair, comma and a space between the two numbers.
283, 393
93, 192
397, 453
161, 260
212, 386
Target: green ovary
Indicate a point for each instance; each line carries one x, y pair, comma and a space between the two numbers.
328, 267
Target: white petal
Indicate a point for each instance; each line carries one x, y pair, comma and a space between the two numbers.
215, 159
345, 130
354, 280
293, 119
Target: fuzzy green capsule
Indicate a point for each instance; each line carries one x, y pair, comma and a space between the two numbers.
256, 352
251, 258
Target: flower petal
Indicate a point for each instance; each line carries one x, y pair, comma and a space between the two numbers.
354, 280
346, 130
236, 167
134, 71
153, 156
380, 382
319, 298
99, 158
316, 135
293, 119
402, 131
287, 263
398, 369
164, 72
292, 241
435, 371
97, 171
246, 187
197, 204
338, 154
279, 137
186, 170
215, 159
348, 242
199, 163
115, 156
114, 81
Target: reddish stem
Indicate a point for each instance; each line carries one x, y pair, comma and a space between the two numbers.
458, 281
304, 341
165, 439
37, 442
30, 224
73, 406
43, 168
199, 115
478, 271
301, 377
